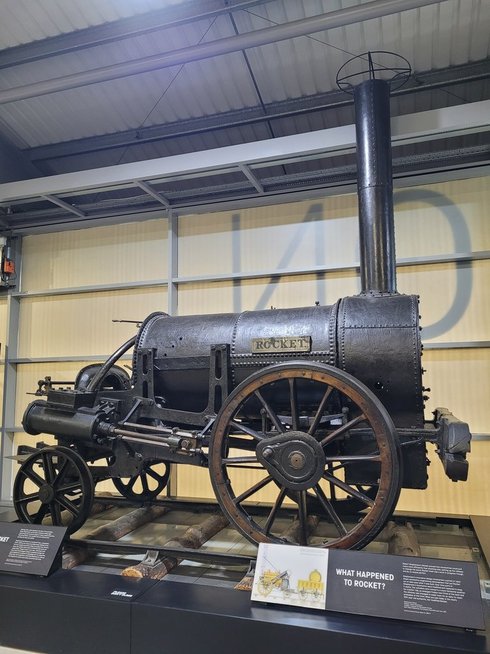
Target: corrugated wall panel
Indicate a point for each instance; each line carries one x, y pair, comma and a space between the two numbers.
430, 220
77, 325
444, 496
301, 234
453, 299
460, 380
258, 294
443, 218
3, 336
100, 255
3, 325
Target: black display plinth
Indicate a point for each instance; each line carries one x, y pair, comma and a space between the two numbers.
69, 612
74, 612
178, 618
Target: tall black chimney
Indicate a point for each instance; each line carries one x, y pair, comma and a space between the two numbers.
374, 170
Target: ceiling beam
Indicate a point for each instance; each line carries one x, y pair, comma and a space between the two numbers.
336, 182
253, 179
411, 128
63, 205
124, 28
154, 194
302, 27
14, 163
420, 82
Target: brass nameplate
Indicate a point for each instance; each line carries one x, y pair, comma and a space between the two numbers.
281, 344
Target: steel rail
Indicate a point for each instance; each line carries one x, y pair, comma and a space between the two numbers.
201, 556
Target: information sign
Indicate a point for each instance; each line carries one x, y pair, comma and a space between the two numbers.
30, 549
406, 588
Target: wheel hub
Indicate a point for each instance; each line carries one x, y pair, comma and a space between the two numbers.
46, 494
297, 460
294, 459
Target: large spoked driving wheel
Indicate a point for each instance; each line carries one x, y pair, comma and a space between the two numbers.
298, 431
147, 485
54, 484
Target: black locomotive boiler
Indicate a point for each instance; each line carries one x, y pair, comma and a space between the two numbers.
322, 407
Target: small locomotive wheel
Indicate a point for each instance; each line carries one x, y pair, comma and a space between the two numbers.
147, 485
55, 483
295, 426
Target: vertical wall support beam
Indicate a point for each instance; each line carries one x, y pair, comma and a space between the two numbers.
10, 385
173, 263
173, 306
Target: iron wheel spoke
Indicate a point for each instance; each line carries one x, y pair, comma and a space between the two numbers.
270, 412
328, 508
294, 404
68, 505
247, 430
253, 489
348, 425
348, 489
332, 487
49, 470
240, 459
61, 473
144, 482
70, 488
154, 475
277, 505
41, 514
319, 411
55, 510
303, 518
131, 482
27, 498
34, 477
353, 458
237, 443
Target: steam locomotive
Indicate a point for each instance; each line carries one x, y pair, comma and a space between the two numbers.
319, 408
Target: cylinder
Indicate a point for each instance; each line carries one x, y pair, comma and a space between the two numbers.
40, 418
375, 187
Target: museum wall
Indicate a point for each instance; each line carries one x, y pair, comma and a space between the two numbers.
432, 222
3, 334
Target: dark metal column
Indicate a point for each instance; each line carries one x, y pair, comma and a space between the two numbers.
375, 187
